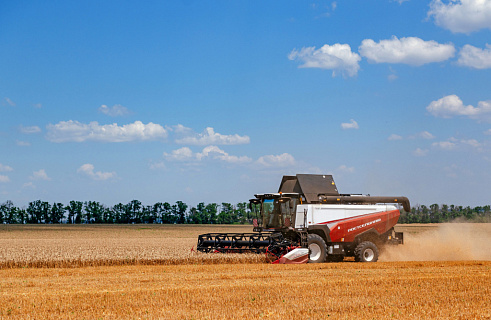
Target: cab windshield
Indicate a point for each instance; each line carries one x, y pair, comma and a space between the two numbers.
276, 214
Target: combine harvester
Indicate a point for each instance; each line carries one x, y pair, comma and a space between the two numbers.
308, 220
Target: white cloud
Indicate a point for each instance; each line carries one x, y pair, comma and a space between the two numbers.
114, 111
40, 175
22, 143
182, 154
207, 137
217, 153
29, 130
472, 142
29, 185
351, 125
411, 50
453, 143
338, 58
5, 168
182, 130
420, 152
88, 169
394, 137
473, 57
9, 102
392, 77
425, 135
344, 168
282, 160
452, 105
157, 165
461, 16
445, 145
209, 152
74, 131
4, 179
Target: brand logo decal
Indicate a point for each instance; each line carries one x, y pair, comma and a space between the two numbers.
364, 225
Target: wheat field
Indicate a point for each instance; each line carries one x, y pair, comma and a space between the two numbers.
150, 272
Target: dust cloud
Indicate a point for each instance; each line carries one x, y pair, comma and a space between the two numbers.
444, 242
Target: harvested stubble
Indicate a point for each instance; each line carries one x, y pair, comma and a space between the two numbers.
385, 290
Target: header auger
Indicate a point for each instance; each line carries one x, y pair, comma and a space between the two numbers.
308, 219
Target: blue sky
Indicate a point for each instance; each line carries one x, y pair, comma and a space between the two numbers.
214, 101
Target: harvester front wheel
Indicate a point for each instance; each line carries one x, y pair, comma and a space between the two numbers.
317, 249
366, 252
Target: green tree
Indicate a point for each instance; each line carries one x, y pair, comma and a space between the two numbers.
94, 212
57, 213
134, 209
180, 211
8, 212
119, 212
75, 213
211, 210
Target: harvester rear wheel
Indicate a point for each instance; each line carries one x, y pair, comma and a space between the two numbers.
317, 249
366, 252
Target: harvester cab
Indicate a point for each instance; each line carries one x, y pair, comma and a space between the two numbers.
274, 211
308, 219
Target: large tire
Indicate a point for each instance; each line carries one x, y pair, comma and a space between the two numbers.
366, 252
317, 249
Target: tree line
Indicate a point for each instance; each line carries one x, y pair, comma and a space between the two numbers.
88, 212
445, 213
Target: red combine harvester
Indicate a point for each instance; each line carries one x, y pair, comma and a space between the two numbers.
309, 220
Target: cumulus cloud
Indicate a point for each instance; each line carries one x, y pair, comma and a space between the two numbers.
74, 131
29, 130
452, 105
182, 154
420, 152
217, 153
114, 111
88, 170
394, 137
207, 137
423, 135
476, 58
453, 143
5, 168
282, 160
4, 179
411, 50
40, 175
461, 16
338, 58
445, 145
350, 125
426, 135
209, 152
